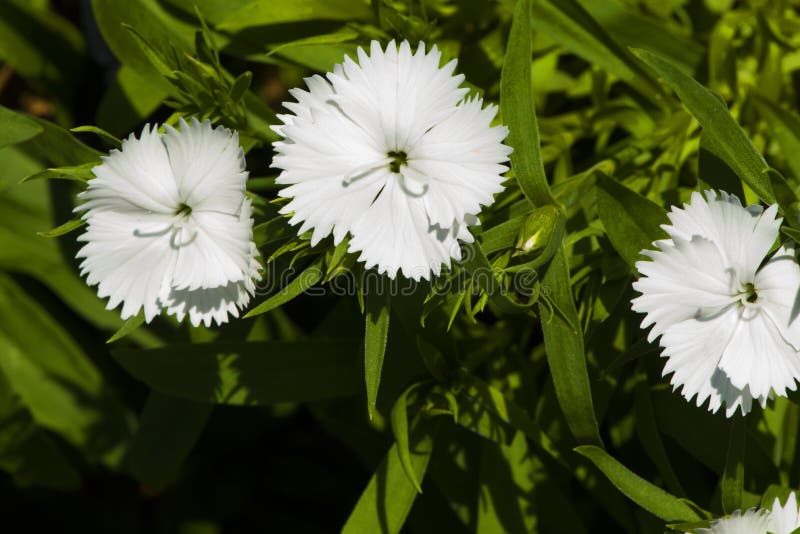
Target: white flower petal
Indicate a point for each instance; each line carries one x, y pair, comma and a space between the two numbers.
214, 304
683, 281
785, 519
743, 235
395, 234
208, 165
216, 249
386, 145
130, 258
693, 349
759, 358
138, 176
778, 286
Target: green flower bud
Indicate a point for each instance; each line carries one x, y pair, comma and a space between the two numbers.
538, 229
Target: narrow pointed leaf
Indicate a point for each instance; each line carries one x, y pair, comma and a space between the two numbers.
305, 280
565, 352
65, 228
375, 336
652, 498
632, 222
735, 147
518, 109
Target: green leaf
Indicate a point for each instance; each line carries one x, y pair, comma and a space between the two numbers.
27, 452
302, 282
16, 127
486, 411
712, 114
79, 173
240, 85
567, 23
56, 381
283, 11
375, 335
650, 437
632, 28
65, 228
652, 498
267, 372
131, 324
129, 99
343, 35
565, 352
518, 109
632, 222
507, 476
784, 125
713, 170
732, 483
153, 25
389, 495
107, 138
169, 428
44, 48
399, 420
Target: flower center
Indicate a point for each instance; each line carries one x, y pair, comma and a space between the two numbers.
748, 294
398, 159
183, 210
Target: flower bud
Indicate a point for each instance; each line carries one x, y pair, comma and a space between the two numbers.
538, 229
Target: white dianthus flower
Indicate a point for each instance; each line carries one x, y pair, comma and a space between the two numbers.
727, 319
169, 226
389, 150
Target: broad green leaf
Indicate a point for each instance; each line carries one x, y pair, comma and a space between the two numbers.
16, 127
375, 335
567, 23
389, 495
27, 452
62, 229
256, 373
732, 483
712, 114
652, 498
282, 11
632, 222
153, 23
168, 429
60, 386
519, 112
565, 352
302, 282
214, 11
59, 147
